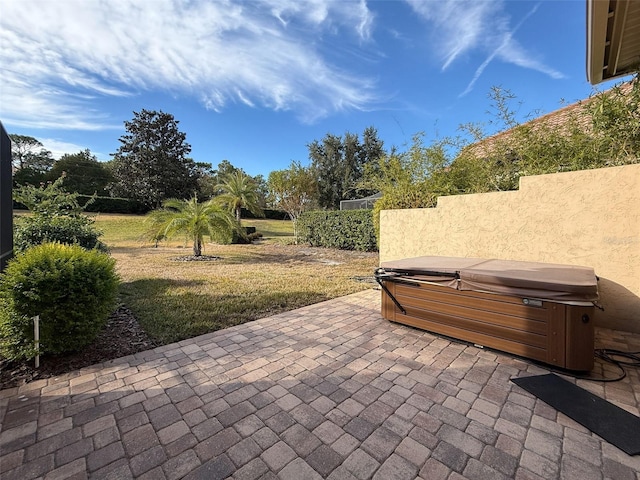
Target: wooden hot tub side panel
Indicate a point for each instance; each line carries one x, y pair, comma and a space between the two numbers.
453, 314
481, 310
580, 338
495, 321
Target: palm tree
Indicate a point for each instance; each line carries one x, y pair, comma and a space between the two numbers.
195, 219
238, 191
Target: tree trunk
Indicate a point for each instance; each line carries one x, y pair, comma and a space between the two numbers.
197, 247
294, 220
238, 214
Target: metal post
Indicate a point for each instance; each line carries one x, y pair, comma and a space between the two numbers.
36, 337
6, 200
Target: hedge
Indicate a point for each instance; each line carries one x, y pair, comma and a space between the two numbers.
104, 205
268, 214
345, 229
112, 205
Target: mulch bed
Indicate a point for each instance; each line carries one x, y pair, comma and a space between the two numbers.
121, 336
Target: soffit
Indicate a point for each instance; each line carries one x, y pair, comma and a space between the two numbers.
613, 38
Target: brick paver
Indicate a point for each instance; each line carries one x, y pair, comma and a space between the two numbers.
327, 391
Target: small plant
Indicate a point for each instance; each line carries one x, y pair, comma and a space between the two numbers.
56, 217
72, 289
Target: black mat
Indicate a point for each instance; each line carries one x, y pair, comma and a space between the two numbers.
612, 423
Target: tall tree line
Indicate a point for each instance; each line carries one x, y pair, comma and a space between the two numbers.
338, 164
150, 166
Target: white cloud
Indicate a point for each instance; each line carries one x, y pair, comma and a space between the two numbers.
462, 27
59, 148
60, 57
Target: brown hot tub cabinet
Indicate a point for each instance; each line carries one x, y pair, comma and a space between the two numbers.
536, 310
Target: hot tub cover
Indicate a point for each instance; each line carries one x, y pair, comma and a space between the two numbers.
564, 283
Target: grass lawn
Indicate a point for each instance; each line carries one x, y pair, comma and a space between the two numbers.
129, 230
174, 300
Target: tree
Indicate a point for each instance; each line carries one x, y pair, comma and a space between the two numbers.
28, 152
83, 173
338, 163
56, 216
206, 180
292, 190
330, 168
225, 169
262, 190
30, 160
371, 151
49, 199
193, 218
411, 179
151, 164
239, 191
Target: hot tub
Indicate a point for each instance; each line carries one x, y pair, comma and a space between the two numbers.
540, 311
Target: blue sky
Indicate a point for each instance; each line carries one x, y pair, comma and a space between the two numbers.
255, 82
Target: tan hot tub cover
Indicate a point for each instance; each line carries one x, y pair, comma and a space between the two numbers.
553, 282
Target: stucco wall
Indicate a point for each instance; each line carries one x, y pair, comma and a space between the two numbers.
589, 218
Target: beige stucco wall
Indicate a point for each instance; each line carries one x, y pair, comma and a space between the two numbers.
589, 218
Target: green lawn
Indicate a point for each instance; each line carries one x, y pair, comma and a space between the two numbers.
128, 230
174, 300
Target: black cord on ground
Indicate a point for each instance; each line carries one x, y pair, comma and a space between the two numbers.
611, 355
608, 354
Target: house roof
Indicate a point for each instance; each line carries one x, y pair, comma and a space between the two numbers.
613, 39
558, 119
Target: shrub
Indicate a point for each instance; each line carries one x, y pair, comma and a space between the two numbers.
69, 230
244, 236
346, 229
72, 289
56, 217
16, 334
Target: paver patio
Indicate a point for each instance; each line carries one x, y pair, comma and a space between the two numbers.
327, 391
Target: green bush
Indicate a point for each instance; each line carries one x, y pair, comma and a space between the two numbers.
16, 334
56, 217
72, 289
346, 229
70, 230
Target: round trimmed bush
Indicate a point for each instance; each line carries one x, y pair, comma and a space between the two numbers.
72, 289
70, 230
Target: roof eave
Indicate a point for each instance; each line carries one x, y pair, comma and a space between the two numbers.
613, 39
597, 14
